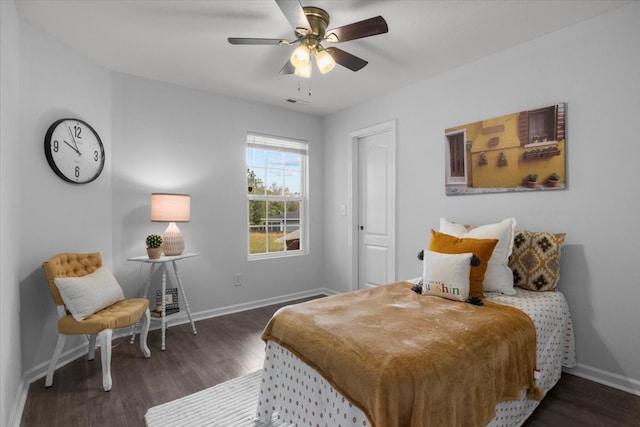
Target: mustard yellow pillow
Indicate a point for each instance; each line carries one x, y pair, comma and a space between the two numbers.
480, 248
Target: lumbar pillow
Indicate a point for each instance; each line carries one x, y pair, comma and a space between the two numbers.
88, 294
480, 248
498, 276
536, 260
446, 275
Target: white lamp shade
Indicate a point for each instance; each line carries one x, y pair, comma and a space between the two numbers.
300, 56
167, 207
325, 62
304, 70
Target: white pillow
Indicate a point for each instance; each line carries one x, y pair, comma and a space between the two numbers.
88, 294
446, 275
498, 276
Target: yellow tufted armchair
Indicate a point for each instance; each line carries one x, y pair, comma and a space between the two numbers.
99, 324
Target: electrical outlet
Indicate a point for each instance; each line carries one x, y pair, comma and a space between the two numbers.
237, 279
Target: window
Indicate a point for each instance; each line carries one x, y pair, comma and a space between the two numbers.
276, 196
543, 126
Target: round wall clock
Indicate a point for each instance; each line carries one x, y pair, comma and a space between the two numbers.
74, 151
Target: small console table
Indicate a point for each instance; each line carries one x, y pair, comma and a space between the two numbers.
162, 263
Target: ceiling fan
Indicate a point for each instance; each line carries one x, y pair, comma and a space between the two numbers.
310, 27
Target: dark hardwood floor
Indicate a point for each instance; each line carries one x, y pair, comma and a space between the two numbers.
230, 346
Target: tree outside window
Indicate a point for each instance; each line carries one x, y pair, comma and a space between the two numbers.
276, 196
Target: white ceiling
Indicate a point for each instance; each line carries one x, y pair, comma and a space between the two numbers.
185, 42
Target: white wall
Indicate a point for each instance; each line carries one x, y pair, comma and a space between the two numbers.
162, 138
196, 140
171, 139
10, 137
165, 138
594, 67
57, 216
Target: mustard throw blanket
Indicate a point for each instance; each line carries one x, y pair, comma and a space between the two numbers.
413, 360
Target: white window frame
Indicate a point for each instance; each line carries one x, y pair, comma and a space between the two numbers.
282, 144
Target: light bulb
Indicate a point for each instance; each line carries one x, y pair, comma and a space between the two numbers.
300, 56
304, 70
325, 61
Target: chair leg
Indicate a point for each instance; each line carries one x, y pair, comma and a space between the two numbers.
54, 359
105, 349
144, 331
132, 334
92, 347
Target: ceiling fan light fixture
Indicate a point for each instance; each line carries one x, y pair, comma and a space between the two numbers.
300, 56
304, 70
325, 61
310, 27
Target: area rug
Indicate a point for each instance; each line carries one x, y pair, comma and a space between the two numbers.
229, 404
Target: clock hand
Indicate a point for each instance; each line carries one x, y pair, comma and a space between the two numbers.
72, 147
73, 139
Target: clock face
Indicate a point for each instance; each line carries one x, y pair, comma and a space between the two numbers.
74, 151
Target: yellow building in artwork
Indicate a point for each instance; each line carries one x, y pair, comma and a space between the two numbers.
501, 153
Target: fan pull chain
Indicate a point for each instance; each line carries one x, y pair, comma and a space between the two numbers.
308, 87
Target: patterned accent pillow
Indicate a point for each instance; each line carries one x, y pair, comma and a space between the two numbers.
535, 260
446, 275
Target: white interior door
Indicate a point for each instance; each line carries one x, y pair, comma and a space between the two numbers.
376, 207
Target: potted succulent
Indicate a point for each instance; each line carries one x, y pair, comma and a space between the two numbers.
154, 246
553, 180
531, 179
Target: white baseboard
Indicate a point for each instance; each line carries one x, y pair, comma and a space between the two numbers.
39, 371
616, 381
72, 354
207, 314
16, 412
610, 379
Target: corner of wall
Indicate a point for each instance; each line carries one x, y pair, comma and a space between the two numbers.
11, 385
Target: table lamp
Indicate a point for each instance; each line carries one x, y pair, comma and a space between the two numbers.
171, 208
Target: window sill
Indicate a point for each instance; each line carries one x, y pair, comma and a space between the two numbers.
276, 255
540, 144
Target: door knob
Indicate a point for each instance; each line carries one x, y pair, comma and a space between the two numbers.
362, 227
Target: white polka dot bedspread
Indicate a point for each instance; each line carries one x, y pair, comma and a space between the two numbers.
299, 396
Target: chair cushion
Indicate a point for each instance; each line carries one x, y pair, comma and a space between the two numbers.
88, 294
119, 315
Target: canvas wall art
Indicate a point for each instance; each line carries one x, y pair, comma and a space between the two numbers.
523, 151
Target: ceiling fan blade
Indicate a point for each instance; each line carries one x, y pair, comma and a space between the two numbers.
357, 30
288, 68
252, 41
294, 13
346, 59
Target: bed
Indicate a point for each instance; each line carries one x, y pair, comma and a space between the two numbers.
299, 395
495, 363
